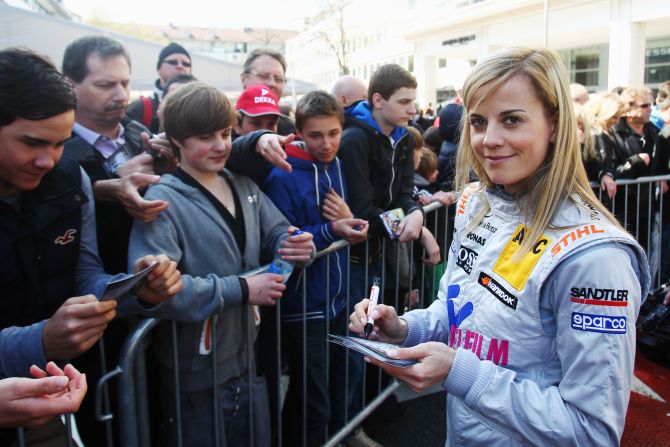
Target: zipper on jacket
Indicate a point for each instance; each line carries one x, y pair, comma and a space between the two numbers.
393, 147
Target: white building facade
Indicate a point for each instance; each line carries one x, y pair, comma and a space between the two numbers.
604, 43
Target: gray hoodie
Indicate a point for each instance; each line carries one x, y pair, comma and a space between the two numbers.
193, 233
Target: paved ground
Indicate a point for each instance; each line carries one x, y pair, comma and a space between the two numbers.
416, 422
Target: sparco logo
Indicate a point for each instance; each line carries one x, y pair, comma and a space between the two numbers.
466, 259
599, 323
477, 238
599, 297
498, 291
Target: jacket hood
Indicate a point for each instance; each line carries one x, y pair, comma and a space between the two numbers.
450, 120
299, 157
363, 113
298, 149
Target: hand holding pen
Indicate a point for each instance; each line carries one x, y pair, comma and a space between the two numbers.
386, 326
374, 298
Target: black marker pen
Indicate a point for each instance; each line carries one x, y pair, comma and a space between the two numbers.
374, 296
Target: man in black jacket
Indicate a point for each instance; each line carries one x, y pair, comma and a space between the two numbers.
172, 60
48, 227
99, 70
376, 152
635, 138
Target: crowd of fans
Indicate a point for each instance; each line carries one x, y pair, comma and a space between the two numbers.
210, 191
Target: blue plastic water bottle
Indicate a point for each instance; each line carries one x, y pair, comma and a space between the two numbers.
281, 266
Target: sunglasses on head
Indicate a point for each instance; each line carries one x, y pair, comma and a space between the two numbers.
175, 62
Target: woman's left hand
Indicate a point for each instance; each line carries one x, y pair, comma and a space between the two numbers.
435, 360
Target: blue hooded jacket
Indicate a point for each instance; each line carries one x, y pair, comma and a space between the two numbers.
299, 196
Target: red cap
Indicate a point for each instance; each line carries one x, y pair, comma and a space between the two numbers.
258, 100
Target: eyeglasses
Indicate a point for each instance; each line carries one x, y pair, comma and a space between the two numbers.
175, 62
265, 77
646, 105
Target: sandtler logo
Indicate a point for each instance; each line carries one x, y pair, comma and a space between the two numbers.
498, 291
599, 323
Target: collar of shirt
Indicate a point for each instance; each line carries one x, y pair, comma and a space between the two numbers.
105, 145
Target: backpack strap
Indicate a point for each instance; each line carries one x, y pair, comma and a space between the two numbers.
147, 111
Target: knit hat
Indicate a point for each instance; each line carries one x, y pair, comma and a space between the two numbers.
450, 120
257, 100
173, 48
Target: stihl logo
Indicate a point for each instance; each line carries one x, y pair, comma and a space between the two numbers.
66, 238
461, 203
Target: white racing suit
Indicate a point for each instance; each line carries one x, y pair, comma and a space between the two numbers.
546, 343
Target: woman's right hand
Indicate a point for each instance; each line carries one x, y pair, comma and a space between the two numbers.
387, 328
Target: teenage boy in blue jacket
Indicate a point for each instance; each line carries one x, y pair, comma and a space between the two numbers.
313, 197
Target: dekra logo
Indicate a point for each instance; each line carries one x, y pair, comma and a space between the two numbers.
466, 259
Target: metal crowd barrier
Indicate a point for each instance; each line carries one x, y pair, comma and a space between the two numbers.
134, 409
634, 204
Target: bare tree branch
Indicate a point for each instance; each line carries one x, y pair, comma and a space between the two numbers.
338, 43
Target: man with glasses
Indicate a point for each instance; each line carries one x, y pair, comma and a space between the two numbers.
635, 139
634, 133
173, 60
268, 67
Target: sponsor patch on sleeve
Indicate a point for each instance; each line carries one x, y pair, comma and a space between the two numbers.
516, 272
599, 297
606, 324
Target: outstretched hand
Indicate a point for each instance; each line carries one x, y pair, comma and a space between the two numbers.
270, 147
31, 403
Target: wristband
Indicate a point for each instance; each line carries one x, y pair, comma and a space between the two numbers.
245, 290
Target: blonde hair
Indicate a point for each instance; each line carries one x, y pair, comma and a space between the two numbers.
582, 117
607, 106
562, 173
632, 94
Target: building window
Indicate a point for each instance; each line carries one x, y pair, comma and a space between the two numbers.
584, 66
442, 62
410, 63
657, 63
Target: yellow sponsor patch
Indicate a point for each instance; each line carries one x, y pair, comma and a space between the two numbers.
516, 272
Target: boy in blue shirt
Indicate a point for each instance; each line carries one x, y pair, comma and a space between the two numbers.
313, 198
